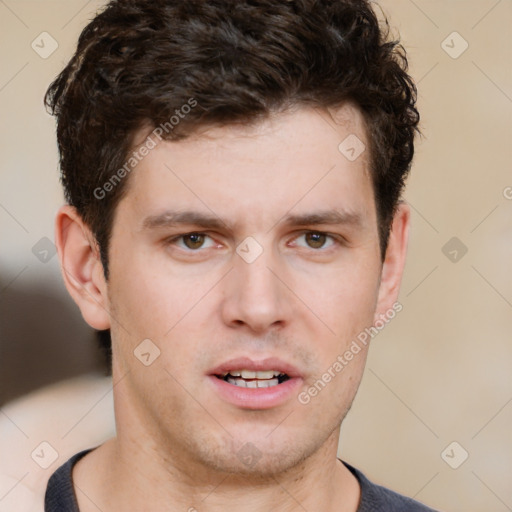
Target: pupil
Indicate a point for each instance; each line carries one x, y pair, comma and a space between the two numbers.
315, 240
194, 240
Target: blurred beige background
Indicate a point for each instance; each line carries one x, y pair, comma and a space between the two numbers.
440, 373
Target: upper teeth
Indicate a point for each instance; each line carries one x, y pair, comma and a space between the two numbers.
249, 374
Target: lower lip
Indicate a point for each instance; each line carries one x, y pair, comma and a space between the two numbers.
256, 398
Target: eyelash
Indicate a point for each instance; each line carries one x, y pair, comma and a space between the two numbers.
175, 240
329, 237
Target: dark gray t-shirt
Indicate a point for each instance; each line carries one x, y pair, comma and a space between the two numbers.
60, 494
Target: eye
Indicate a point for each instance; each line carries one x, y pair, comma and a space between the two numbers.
315, 240
194, 241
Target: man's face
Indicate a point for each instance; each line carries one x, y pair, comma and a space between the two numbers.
289, 299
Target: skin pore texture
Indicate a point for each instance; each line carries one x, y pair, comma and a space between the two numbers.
177, 279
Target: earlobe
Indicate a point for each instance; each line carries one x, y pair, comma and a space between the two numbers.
394, 262
81, 267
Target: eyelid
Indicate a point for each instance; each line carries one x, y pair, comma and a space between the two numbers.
176, 238
336, 239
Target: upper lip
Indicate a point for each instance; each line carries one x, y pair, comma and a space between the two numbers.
257, 365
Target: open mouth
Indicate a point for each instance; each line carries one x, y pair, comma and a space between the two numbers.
257, 384
254, 379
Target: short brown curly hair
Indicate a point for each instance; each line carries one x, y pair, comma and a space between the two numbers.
139, 61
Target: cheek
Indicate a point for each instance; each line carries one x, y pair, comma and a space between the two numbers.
172, 310
138, 304
150, 304
150, 299
352, 308
344, 300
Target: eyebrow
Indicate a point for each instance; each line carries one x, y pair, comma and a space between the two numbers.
330, 217
171, 219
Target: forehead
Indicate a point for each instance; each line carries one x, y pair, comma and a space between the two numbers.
291, 160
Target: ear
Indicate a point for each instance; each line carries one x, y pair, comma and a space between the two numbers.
81, 267
394, 262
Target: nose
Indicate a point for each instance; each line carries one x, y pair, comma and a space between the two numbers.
255, 299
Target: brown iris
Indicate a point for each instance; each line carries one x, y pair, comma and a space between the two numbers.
316, 240
194, 240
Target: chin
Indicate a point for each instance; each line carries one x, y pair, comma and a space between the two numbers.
262, 466
255, 457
